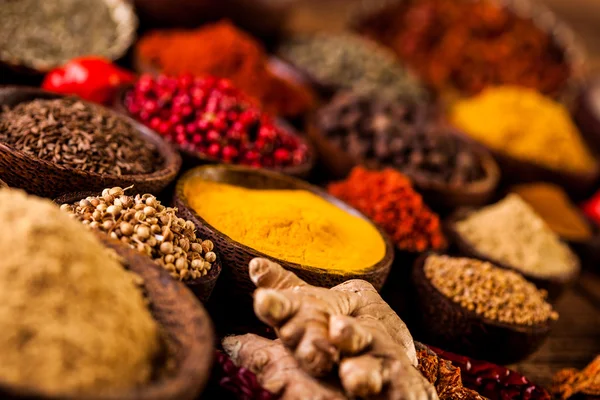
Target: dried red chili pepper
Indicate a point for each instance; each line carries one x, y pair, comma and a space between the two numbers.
91, 78
239, 382
494, 381
387, 197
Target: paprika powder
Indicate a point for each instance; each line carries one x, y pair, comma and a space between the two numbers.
222, 50
387, 197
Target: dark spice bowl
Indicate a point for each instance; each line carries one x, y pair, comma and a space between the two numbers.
47, 179
452, 327
236, 256
122, 13
202, 287
193, 158
555, 285
338, 163
183, 370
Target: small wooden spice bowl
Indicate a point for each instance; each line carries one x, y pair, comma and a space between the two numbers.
193, 158
122, 13
236, 256
338, 164
201, 287
448, 325
555, 285
47, 179
187, 331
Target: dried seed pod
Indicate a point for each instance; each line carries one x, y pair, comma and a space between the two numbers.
207, 246
150, 228
143, 232
166, 247
210, 257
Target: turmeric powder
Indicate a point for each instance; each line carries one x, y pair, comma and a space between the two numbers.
525, 125
292, 225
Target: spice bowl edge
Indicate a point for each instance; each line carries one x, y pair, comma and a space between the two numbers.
236, 256
193, 159
450, 326
555, 285
49, 179
201, 287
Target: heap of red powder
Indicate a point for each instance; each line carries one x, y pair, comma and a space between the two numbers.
388, 198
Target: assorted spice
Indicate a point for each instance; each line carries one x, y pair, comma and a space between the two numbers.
347, 61
74, 321
469, 45
523, 124
512, 233
388, 132
553, 205
53, 32
495, 382
292, 225
489, 291
220, 49
144, 224
571, 383
211, 117
387, 197
79, 135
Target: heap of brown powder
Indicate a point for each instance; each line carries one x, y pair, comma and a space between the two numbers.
73, 320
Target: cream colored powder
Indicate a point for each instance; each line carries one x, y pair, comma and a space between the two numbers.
512, 233
72, 319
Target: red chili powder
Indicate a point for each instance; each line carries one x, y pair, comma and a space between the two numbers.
388, 198
222, 50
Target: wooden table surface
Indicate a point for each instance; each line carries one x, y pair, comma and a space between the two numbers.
575, 339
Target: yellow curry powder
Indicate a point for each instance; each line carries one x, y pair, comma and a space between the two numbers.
293, 225
552, 203
526, 125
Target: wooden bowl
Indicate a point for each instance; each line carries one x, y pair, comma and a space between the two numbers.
448, 325
126, 26
555, 285
338, 163
561, 34
236, 256
47, 179
193, 158
188, 337
202, 287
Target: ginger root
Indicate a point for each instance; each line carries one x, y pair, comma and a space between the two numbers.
277, 370
349, 325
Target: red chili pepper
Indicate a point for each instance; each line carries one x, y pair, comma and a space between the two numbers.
91, 78
591, 208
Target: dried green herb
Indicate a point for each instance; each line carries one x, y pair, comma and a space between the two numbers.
54, 31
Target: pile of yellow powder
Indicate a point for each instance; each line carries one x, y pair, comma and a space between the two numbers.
292, 225
73, 320
524, 124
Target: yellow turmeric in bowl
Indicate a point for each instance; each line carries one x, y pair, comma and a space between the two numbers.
293, 225
524, 124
